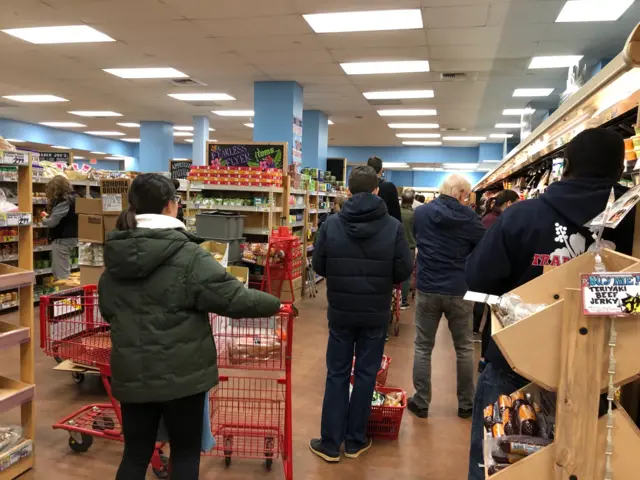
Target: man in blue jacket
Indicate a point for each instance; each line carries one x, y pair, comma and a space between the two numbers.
547, 231
446, 232
363, 253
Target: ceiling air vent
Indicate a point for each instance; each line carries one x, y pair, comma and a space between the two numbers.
453, 130
386, 103
458, 77
187, 82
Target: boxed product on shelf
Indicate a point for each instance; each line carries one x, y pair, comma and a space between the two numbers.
15, 454
249, 176
220, 225
219, 251
241, 273
90, 275
91, 254
91, 228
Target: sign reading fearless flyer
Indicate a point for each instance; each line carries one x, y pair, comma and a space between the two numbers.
610, 293
245, 155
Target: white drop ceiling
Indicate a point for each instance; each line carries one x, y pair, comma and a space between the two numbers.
229, 45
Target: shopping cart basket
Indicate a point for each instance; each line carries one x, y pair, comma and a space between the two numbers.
251, 414
71, 328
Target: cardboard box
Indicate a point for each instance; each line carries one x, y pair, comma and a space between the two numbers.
89, 206
217, 248
90, 275
109, 222
242, 272
90, 228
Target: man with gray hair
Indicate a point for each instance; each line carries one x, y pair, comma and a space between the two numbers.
446, 232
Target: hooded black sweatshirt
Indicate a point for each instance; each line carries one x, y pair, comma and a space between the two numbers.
362, 252
545, 231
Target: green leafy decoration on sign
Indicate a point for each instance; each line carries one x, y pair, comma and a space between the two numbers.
278, 159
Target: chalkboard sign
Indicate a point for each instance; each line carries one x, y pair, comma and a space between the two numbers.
55, 157
263, 155
179, 169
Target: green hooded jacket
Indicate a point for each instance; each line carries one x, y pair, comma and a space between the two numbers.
156, 292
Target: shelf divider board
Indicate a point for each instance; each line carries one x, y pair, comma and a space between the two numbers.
579, 390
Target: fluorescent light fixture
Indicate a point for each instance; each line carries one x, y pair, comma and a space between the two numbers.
461, 166
212, 129
373, 68
555, 61
428, 169
491, 161
234, 113
60, 147
508, 125
370, 21
593, 10
35, 98
189, 140
464, 138
423, 143
398, 94
392, 165
532, 92
516, 112
181, 159
201, 97
414, 125
76, 157
418, 135
250, 125
330, 122
106, 133
153, 72
95, 113
62, 124
129, 125
182, 134
65, 34
14, 140
115, 157
131, 140
183, 128
98, 153
501, 135
407, 112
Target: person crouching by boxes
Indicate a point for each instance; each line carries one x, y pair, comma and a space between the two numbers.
62, 220
156, 292
363, 253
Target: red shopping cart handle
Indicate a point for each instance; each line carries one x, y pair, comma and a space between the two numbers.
288, 308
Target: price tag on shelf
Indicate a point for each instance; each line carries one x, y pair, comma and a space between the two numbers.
610, 294
15, 219
14, 158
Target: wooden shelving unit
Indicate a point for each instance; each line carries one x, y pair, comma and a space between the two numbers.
13, 393
561, 350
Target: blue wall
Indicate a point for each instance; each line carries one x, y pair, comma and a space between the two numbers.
409, 154
102, 164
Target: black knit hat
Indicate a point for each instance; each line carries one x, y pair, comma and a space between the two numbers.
595, 153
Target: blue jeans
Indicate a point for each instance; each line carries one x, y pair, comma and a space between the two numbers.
491, 384
343, 419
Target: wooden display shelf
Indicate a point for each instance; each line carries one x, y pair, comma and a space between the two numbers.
14, 393
11, 335
521, 342
13, 277
17, 460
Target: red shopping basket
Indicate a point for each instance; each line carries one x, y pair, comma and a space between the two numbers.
381, 378
384, 422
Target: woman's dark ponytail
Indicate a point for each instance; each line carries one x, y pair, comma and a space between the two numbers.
127, 220
149, 194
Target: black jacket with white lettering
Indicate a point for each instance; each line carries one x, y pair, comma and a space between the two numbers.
545, 231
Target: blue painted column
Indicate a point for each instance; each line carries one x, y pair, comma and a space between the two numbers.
200, 138
315, 138
156, 146
277, 105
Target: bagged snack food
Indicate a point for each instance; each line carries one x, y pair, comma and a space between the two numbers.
504, 402
378, 399
497, 430
393, 399
488, 417
262, 345
508, 422
527, 421
522, 444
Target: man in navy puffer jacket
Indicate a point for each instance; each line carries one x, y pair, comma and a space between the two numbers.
362, 252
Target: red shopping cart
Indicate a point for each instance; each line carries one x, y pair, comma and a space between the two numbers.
251, 415
396, 302
71, 328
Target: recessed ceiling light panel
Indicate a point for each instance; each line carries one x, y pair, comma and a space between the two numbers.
501, 135
153, 72
373, 68
423, 143
64, 34
508, 125
370, 21
129, 125
558, 61
464, 138
14, 140
398, 94
95, 113
516, 112
532, 92
131, 140
35, 98
407, 112
106, 133
201, 97
418, 135
250, 125
60, 147
63, 124
593, 10
330, 122
234, 113
182, 134
183, 128
414, 125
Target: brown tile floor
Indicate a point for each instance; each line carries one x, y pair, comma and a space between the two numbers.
434, 449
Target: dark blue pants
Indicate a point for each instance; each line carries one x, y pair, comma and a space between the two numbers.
492, 383
343, 419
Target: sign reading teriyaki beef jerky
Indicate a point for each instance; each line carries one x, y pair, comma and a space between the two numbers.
179, 169
64, 157
610, 293
245, 155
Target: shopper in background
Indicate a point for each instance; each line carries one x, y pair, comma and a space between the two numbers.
62, 220
420, 198
386, 190
446, 232
415, 203
156, 293
180, 216
503, 200
406, 210
545, 231
338, 202
362, 252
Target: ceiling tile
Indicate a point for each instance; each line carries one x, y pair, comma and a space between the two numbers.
464, 16
197, 9
380, 54
323, 6
255, 26
297, 56
464, 36
399, 38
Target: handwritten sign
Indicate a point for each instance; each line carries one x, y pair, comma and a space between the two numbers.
249, 155
179, 169
14, 158
55, 157
610, 293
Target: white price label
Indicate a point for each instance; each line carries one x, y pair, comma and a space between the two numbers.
14, 158
112, 202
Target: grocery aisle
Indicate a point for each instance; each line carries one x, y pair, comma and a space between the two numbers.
436, 448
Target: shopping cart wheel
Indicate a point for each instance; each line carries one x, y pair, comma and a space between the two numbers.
228, 450
396, 328
82, 444
164, 471
78, 378
268, 463
103, 422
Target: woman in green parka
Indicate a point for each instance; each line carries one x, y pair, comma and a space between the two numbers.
156, 292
